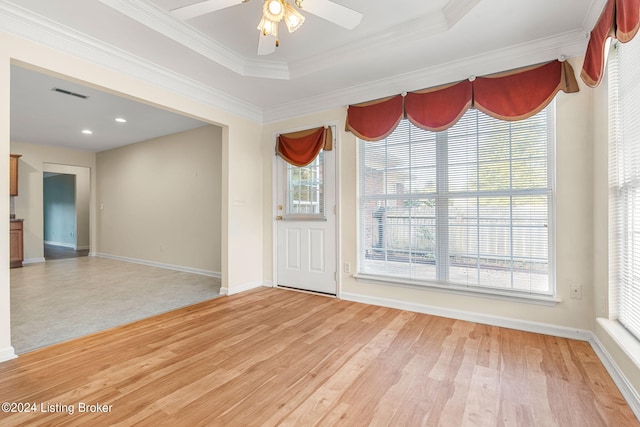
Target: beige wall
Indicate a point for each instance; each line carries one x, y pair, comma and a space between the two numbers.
28, 205
574, 222
159, 200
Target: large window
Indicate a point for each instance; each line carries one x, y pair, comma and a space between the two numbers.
624, 167
467, 207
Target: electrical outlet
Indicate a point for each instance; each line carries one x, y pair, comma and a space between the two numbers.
576, 291
347, 267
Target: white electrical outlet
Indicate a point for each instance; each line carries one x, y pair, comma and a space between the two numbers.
347, 267
576, 291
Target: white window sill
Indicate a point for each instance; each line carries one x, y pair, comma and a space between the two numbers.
512, 296
627, 342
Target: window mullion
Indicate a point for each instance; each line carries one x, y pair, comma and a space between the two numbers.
442, 207
478, 173
511, 266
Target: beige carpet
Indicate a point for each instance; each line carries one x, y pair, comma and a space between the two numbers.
63, 299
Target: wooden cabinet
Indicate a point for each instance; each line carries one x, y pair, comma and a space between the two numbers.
16, 250
16, 243
13, 174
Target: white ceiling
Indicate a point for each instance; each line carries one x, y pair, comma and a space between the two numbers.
40, 115
400, 45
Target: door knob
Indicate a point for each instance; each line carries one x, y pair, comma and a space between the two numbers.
279, 218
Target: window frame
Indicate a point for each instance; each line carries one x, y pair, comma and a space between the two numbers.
545, 298
623, 183
315, 186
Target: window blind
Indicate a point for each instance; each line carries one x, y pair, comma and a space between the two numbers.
469, 206
624, 167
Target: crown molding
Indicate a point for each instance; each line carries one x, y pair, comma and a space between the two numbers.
27, 25
569, 45
39, 29
164, 23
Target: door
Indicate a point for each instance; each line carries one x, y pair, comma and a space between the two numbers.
306, 225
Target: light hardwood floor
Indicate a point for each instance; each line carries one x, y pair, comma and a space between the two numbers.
275, 357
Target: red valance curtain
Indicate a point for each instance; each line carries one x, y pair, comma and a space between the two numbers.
620, 19
301, 148
521, 94
375, 120
438, 108
513, 95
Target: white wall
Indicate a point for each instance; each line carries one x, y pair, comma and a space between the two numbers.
6, 351
160, 200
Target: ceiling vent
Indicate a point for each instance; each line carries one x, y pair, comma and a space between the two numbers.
68, 92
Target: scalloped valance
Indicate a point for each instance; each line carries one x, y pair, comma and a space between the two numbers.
512, 95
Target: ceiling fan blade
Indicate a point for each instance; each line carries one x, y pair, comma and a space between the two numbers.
266, 44
202, 8
333, 12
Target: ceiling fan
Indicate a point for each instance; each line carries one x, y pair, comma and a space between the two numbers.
275, 11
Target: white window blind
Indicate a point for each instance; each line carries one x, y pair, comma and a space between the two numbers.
624, 168
305, 188
470, 206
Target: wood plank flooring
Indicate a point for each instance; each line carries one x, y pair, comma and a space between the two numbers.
273, 357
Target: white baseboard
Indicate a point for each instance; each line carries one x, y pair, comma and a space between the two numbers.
241, 288
82, 248
33, 260
161, 265
7, 354
626, 389
628, 392
505, 322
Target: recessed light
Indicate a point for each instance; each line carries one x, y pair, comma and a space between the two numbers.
121, 120
87, 131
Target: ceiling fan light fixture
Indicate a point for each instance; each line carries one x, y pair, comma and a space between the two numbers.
292, 18
273, 10
269, 27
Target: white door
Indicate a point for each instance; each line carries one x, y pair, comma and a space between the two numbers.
306, 225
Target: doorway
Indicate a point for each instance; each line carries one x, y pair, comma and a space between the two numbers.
66, 204
306, 225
